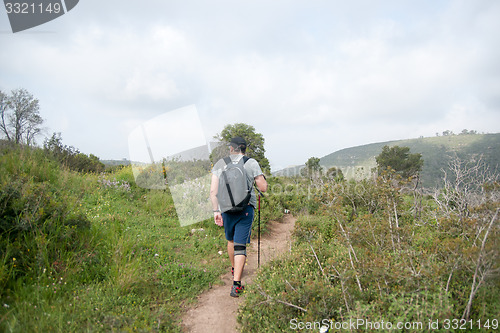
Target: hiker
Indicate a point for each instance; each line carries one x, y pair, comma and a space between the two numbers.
237, 225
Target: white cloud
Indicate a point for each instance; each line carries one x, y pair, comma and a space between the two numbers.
312, 77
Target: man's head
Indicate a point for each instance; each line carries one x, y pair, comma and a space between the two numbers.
238, 144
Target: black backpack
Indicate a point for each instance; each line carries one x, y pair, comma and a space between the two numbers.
234, 193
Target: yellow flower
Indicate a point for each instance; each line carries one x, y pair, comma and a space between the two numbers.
13, 259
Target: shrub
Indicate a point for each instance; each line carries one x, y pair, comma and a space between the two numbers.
40, 220
71, 157
366, 255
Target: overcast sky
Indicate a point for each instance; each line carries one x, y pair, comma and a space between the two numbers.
313, 77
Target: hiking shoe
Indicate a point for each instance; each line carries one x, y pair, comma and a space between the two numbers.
236, 291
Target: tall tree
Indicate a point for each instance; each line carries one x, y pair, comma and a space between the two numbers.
313, 168
400, 160
3, 114
255, 142
20, 118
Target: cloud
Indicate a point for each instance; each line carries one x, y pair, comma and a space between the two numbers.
312, 77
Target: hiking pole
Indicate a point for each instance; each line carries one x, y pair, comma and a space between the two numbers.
258, 237
258, 228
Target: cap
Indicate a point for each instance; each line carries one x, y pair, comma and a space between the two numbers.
238, 141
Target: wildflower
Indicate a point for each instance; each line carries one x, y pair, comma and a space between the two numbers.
6, 306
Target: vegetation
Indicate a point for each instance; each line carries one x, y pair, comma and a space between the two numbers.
255, 142
437, 152
94, 252
378, 251
86, 250
400, 160
335, 174
20, 118
71, 157
313, 168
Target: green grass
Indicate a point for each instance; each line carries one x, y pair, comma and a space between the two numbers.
129, 266
95, 253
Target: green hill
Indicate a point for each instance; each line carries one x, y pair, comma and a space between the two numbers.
436, 152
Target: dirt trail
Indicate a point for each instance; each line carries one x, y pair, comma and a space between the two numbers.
216, 311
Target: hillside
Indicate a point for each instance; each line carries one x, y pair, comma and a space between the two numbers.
93, 251
436, 151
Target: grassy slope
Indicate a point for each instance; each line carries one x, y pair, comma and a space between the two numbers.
127, 265
132, 267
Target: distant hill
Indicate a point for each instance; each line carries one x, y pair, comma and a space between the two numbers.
110, 163
436, 151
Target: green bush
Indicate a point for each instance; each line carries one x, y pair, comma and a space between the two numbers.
95, 252
71, 157
41, 222
365, 254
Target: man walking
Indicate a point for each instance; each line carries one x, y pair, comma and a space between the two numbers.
237, 225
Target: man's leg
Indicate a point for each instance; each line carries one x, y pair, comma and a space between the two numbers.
239, 265
237, 261
230, 251
241, 238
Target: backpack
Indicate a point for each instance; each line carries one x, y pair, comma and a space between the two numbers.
234, 192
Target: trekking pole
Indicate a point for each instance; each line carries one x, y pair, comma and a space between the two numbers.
258, 227
258, 237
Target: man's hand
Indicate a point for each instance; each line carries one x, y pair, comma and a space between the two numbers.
218, 219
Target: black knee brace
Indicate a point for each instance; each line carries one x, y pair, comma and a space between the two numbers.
240, 249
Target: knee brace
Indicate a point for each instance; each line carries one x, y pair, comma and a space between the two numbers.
240, 249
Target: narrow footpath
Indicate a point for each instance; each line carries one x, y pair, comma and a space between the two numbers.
215, 310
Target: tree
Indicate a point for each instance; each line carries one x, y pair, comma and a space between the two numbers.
313, 168
20, 118
255, 142
71, 157
447, 133
400, 160
4, 102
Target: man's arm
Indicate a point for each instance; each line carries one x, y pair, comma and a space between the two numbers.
214, 188
261, 183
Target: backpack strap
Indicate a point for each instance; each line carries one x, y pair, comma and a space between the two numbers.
228, 160
229, 189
